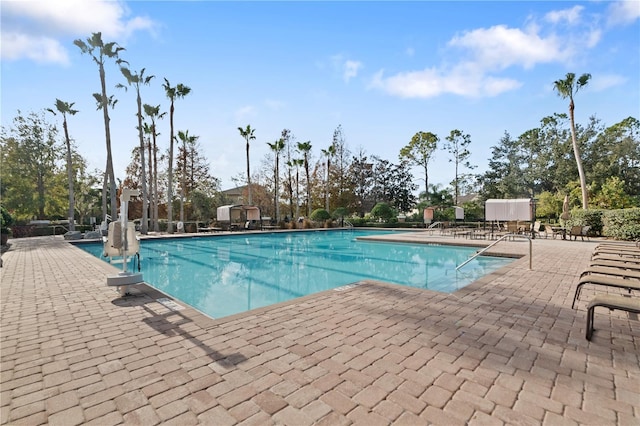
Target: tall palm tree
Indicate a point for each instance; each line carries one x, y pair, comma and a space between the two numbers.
305, 148
65, 108
100, 51
247, 135
185, 138
566, 89
277, 147
329, 152
135, 80
146, 127
296, 163
153, 112
173, 93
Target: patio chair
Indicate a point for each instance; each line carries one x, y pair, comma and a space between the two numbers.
610, 301
579, 231
606, 281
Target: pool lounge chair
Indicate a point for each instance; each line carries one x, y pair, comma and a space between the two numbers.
613, 272
612, 302
579, 231
631, 266
606, 281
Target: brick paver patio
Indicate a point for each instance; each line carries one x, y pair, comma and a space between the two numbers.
507, 349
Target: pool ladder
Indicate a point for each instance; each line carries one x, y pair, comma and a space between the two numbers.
504, 237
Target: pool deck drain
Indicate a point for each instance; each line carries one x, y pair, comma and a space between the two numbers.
506, 349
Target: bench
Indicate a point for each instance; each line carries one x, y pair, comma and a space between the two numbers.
610, 301
607, 281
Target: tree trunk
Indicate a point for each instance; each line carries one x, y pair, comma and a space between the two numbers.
107, 132
326, 189
70, 214
576, 152
249, 176
170, 175
143, 173
150, 195
156, 214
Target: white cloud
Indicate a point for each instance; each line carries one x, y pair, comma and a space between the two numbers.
623, 12
570, 16
500, 47
602, 82
38, 49
431, 82
32, 29
346, 68
351, 70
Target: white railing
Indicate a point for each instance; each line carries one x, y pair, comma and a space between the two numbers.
496, 242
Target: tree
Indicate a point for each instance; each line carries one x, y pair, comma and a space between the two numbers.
136, 79
176, 92
382, 211
153, 113
191, 140
361, 174
29, 172
456, 145
276, 147
566, 89
305, 149
419, 150
100, 51
65, 108
340, 190
247, 135
329, 153
505, 179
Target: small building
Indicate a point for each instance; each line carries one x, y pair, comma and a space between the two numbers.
239, 216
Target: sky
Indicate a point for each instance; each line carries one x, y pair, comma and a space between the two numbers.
383, 71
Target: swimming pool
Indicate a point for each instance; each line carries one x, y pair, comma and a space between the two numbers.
224, 275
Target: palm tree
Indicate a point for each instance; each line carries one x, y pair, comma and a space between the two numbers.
566, 89
173, 93
186, 139
305, 148
248, 135
154, 114
297, 163
108, 50
136, 79
329, 152
65, 108
277, 147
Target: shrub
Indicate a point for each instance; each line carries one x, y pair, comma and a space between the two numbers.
591, 218
6, 220
320, 215
383, 211
622, 224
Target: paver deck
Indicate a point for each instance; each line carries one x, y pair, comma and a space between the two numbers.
508, 349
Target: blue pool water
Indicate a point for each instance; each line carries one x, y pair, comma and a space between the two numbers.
224, 275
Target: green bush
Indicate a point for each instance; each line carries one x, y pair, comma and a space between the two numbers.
622, 224
6, 220
591, 218
320, 215
383, 211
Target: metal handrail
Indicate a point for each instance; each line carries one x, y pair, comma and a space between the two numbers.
496, 242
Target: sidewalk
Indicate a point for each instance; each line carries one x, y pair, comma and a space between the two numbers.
508, 349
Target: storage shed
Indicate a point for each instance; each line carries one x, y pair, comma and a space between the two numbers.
509, 209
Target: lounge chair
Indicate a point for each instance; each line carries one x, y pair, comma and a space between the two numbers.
631, 266
610, 301
613, 272
607, 281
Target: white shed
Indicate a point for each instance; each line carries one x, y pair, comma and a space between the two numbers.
509, 209
237, 213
